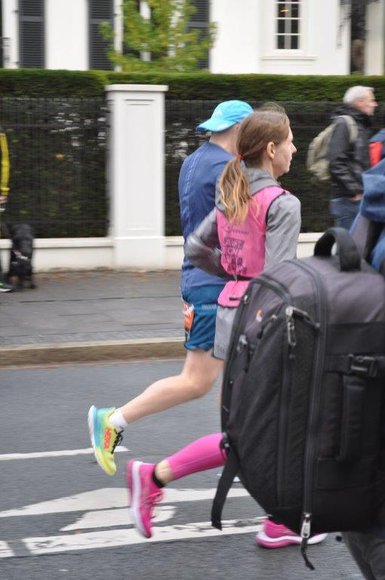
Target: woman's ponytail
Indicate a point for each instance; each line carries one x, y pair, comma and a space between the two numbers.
234, 190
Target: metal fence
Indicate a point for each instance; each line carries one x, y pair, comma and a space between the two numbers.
307, 119
58, 162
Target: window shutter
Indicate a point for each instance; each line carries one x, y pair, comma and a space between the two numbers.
200, 21
201, 16
3, 40
99, 11
31, 34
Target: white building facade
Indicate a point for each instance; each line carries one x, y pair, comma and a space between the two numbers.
253, 36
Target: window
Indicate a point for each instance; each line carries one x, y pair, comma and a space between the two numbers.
31, 34
99, 11
199, 21
288, 36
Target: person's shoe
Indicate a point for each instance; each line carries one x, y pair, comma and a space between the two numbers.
279, 536
104, 438
5, 287
143, 494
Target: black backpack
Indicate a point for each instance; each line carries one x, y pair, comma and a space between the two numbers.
303, 403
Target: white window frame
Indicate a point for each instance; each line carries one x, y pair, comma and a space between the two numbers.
284, 15
269, 31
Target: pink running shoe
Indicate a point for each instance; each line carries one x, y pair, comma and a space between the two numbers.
279, 536
143, 494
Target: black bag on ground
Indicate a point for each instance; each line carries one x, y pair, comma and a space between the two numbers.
20, 272
303, 403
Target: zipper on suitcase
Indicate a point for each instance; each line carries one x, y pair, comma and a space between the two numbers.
292, 313
286, 381
313, 416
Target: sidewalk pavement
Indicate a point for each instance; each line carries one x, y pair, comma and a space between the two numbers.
92, 316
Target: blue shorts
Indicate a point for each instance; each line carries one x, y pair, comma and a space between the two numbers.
200, 310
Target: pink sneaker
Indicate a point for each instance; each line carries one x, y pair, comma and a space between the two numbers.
279, 536
143, 494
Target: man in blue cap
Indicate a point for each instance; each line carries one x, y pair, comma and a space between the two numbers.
197, 181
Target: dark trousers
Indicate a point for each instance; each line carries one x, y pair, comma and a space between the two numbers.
368, 551
344, 211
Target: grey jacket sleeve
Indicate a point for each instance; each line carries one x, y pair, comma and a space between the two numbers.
202, 247
283, 227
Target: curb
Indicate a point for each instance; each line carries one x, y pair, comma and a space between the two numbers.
74, 352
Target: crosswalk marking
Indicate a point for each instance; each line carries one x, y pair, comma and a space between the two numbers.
39, 546
101, 517
107, 510
63, 453
5, 550
107, 498
116, 517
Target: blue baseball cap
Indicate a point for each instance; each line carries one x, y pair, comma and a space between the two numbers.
225, 115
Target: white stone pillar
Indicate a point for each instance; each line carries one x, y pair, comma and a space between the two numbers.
136, 175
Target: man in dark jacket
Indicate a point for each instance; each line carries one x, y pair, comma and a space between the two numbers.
348, 156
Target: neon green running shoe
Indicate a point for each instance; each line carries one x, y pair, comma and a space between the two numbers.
104, 438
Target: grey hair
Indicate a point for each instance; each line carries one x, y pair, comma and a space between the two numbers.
356, 93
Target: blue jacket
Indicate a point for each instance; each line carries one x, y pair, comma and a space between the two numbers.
379, 136
197, 182
373, 208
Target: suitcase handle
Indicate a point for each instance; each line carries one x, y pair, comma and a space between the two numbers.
348, 254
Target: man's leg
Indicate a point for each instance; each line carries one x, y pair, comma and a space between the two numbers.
368, 551
4, 286
198, 375
196, 378
344, 211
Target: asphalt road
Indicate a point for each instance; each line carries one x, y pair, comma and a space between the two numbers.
62, 517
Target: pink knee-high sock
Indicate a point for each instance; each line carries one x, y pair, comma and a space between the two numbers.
204, 453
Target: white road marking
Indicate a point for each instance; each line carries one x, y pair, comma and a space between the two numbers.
5, 550
124, 537
108, 498
116, 517
107, 508
64, 453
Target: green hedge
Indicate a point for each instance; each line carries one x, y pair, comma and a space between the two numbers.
51, 83
202, 85
254, 87
56, 123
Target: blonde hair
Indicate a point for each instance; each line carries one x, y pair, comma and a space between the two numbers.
255, 132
